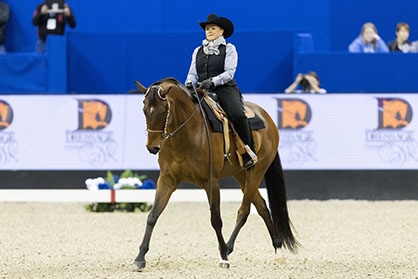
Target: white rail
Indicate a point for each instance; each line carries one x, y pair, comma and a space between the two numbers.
182, 195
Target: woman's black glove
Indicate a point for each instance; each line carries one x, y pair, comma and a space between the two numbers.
189, 85
207, 84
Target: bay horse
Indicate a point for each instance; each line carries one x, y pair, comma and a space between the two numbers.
177, 132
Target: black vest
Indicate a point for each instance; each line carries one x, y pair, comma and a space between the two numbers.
208, 66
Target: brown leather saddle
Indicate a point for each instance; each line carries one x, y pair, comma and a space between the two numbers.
218, 116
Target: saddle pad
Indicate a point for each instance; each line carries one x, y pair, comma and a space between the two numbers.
255, 123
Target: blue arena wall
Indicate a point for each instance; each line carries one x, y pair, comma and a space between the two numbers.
342, 72
174, 16
347, 18
116, 43
148, 57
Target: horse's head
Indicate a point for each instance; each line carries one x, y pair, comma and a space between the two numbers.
156, 110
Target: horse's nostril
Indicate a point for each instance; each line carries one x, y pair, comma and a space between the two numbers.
153, 149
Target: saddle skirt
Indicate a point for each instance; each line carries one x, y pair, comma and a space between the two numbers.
220, 124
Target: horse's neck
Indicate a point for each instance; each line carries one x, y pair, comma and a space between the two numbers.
194, 127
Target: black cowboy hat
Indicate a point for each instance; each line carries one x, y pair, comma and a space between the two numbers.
222, 22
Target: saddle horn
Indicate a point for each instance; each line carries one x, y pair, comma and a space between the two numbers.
140, 87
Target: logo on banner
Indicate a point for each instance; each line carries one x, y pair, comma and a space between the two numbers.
94, 143
93, 115
8, 144
294, 114
393, 113
394, 141
6, 115
297, 142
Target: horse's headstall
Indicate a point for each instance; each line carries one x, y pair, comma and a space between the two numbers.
159, 90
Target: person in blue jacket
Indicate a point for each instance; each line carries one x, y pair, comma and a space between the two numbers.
368, 41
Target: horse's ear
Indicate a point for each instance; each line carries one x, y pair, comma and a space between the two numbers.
140, 87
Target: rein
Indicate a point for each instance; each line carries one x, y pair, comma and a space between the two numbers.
167, 135
209, 143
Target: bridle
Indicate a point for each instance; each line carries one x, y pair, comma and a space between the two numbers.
165, 133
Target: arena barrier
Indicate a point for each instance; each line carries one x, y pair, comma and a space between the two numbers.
331, 146
87, 196
107, 132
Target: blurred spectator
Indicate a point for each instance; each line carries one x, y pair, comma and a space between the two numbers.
309, 83
368, 41
412, 48
51, 22
4, 16
401, 43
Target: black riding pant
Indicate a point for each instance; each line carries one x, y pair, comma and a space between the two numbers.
230, 100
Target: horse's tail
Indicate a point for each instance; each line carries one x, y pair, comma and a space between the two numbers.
276, 191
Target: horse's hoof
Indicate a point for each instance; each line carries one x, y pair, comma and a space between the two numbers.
224, 264
139, 265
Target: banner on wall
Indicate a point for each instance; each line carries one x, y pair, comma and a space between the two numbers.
101, 132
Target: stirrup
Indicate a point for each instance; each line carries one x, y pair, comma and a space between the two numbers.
253, 158
249, 164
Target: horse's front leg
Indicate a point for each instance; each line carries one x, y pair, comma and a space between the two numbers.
162, 195
216, 220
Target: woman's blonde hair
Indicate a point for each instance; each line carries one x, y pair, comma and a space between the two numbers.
366, 25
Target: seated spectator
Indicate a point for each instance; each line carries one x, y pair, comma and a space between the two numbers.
50, 22
309, 83
4, 17
368, 41
412, 48
401, 43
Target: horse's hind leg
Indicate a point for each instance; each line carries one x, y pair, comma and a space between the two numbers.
263, 211
162, 195
216, 220
249, 188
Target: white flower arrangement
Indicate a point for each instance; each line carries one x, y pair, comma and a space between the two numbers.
127, 180
130, 181
93, 183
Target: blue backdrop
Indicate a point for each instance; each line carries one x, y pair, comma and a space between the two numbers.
117, 42
148, 57
175, 16
347, 18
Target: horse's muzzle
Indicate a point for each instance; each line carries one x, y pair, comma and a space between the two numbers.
153, 149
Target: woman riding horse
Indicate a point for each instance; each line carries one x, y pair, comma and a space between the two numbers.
176, 132
214, 64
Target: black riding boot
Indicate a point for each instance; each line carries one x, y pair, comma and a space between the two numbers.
243, 130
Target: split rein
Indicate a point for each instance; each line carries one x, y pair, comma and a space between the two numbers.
165, 133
